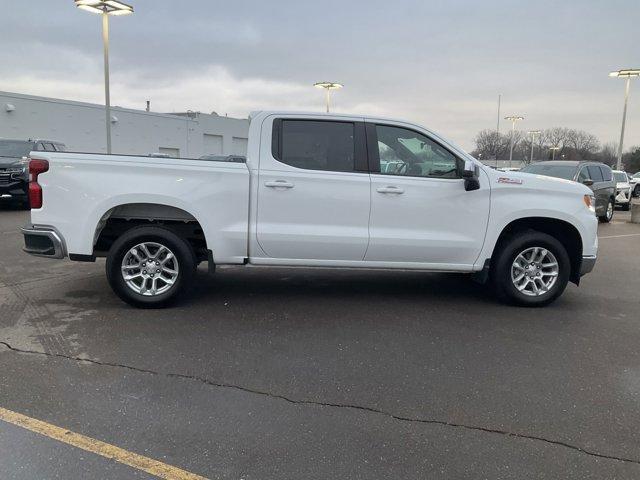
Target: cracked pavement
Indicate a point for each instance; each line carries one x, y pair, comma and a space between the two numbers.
281, 373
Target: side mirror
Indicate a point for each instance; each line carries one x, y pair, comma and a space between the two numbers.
470, 175
588, 182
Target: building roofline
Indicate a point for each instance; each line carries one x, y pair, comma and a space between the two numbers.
24, 96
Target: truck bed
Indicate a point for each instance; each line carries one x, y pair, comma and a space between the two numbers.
81, 191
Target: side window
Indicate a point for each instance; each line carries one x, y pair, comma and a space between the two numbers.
408, 153
583, 175
317, 145
595, 173
607, 174
48, 147
39, 147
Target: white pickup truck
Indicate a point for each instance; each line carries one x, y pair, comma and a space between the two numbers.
317, 190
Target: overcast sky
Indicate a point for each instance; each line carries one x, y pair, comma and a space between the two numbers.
439, 63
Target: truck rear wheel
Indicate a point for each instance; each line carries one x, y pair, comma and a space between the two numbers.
148, 267
532, 269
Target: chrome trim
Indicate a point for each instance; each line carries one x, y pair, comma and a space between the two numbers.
59, 250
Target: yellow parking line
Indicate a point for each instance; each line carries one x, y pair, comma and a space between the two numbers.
154, 467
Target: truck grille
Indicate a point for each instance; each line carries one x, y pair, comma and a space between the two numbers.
5, 179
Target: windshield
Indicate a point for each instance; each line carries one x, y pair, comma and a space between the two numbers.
620, 177
559, 171
15, 148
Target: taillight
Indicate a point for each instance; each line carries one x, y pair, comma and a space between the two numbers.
36, 167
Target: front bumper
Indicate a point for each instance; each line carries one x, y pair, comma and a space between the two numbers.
623, 197
13, 184
43, 241
587, 264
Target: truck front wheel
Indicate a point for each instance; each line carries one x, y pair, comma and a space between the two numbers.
531, 269
148, 267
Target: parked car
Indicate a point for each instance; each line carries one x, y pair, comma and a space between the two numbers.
623, 190
14, 175
312, 194
597, 176
634, 181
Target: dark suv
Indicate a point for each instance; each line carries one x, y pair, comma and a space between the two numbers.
14, 171
595, 175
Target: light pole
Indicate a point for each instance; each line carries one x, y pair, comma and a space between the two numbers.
553, 152
328, 86
533, 134
514, 119
106, 8
626, 73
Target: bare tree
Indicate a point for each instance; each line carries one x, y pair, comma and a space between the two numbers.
491, 144
583, 143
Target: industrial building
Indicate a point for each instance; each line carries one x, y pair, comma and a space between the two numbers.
81, 127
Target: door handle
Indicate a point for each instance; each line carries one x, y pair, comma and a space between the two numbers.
279, 184
390, 189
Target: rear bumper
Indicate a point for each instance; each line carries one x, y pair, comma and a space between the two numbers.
587, 265
43, 241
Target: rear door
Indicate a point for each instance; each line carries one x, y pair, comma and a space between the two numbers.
600, 188
420, 211
314, 190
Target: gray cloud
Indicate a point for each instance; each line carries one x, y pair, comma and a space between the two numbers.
441, 63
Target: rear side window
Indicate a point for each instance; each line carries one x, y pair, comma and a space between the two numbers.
606, 173
595, 173
584, 175
316, 145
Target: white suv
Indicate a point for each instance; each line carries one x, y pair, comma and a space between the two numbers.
623, 190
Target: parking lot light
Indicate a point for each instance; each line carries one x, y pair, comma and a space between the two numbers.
105, 8
328, 86
627, 73
514, 119
533, 134
553, 152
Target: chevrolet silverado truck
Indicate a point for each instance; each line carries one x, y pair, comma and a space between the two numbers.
316, 190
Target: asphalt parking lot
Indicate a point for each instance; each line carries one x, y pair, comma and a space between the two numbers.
290, 374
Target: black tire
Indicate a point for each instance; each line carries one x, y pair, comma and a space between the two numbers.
502, 263
178, 246
25, 203
608, 214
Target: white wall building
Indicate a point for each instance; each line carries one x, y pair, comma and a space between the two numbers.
81, 127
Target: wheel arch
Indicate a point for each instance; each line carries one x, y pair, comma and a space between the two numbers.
566, 233
122, 217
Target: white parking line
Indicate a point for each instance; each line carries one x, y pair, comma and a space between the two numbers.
620, 236
10, 232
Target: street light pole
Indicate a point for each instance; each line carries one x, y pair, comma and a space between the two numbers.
514, 119
105, 8
107, 96
328, 86
624, 120
553, 152
627, 74
533, 134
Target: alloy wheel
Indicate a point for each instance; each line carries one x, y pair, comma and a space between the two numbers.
150, 269
534, 271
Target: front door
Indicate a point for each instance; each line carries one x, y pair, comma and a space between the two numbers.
314, 191
420, 211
